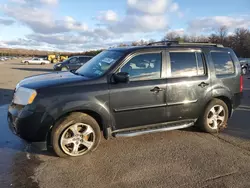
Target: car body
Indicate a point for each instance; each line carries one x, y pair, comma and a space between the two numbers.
4, 58
127, 92
72, 63
35, 60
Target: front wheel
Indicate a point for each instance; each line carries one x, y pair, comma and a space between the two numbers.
215, 116
64, 69
76, 135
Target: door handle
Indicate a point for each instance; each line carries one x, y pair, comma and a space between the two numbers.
156, 89
203, 84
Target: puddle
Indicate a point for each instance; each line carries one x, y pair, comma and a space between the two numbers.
17, 164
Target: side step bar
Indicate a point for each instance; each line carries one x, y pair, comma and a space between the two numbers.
151, 130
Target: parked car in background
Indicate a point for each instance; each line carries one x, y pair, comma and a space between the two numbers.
72, 63
35, 60
244, 66
124, 92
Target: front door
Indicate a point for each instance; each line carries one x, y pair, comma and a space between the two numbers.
34, 61
142, 101
188, 84
73, 63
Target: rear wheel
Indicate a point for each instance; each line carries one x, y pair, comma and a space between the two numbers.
215, 116
42, 63
26, 62
76, 135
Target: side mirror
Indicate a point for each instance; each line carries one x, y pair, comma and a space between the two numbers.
121, 77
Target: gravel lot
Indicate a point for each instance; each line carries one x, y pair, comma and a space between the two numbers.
185, 158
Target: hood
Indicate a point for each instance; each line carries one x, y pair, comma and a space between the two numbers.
50, 79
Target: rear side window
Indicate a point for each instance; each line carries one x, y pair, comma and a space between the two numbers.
223, 63
187, 64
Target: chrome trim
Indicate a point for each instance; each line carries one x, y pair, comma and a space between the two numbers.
153, 130
182, 102
138, 107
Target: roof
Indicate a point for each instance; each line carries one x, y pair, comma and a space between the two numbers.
168, 44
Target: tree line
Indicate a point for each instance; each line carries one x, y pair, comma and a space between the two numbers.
239, 41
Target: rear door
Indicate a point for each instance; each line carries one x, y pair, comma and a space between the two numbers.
188, 84
82, 61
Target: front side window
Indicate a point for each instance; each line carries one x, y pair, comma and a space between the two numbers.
144, 66
186, 64
73, 60
223, 63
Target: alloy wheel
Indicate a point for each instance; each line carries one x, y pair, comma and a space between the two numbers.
77, 139
216, 117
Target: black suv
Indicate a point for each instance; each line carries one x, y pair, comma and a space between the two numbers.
127, 92
72, 63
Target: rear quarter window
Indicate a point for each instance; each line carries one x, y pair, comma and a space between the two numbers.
223, 63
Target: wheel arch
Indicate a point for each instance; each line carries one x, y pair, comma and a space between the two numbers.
226, 99
99, 113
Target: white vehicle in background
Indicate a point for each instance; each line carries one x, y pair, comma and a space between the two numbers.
35, 60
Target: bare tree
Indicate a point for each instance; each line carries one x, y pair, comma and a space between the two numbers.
222, 33
240, 42
172, 35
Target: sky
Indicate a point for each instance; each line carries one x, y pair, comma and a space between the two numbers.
80, 25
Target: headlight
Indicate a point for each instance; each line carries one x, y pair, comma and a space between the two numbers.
59, 65
24, 96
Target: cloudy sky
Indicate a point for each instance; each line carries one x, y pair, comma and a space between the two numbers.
78, 25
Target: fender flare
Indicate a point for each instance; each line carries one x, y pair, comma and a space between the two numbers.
62, 108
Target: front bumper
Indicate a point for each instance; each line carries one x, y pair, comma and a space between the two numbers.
19, 121
28, 125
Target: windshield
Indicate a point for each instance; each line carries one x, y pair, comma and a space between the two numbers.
66, 60
99, 65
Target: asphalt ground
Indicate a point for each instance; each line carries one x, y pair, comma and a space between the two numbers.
182, 158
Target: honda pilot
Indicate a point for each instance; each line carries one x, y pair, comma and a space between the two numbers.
128, 91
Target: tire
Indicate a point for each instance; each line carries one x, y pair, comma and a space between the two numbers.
26, 62
42, 63
69, 127
207, 122
64, 69
244, 71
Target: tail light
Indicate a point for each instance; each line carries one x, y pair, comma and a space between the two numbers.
241, 83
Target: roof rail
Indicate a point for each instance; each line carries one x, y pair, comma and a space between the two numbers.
201, 43
169, 43
164, 42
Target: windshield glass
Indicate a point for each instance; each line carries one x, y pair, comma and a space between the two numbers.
66, 60
98, 65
